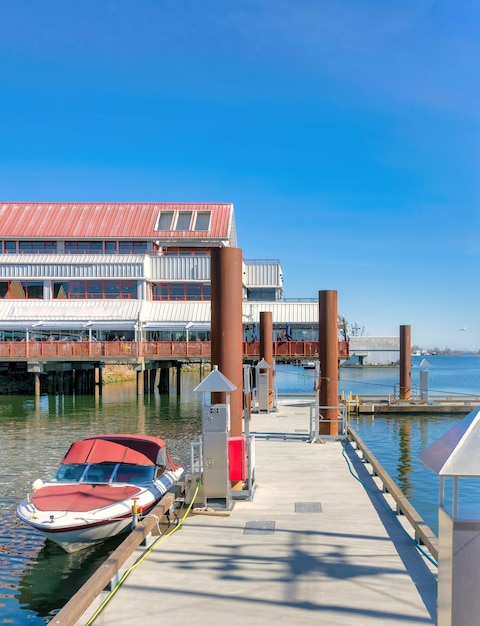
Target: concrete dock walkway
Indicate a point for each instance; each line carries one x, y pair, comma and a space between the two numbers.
313, 546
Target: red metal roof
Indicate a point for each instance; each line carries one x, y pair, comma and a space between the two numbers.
106, 220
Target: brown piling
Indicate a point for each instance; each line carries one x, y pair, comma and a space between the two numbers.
405, 363
226, 328
328, 356
266, 349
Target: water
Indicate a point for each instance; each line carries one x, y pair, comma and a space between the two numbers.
37, 578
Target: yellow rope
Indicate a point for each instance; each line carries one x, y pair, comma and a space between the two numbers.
141, 559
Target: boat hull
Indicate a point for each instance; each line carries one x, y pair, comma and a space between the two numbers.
75, 529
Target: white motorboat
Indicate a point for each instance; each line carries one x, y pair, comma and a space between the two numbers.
103, 483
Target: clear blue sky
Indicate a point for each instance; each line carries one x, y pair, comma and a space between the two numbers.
345, 132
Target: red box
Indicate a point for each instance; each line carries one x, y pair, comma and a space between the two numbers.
237, 459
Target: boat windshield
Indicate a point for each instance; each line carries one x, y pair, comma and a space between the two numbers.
99, 473
104, 473
70, 472
129, 473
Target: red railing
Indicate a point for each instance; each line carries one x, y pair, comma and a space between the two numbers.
164, 349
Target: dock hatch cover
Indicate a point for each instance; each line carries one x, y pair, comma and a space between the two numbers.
308, 507
259, 528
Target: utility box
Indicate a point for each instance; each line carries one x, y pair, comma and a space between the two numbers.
191, 481
216, 418
216, 429
237, 454
263, 391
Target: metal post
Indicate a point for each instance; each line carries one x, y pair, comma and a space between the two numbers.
405, 362
266, 349
328, 356
226, 328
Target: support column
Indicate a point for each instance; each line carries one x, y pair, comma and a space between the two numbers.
328, 356
153, 378
139, 382
266, 349
226, 328
36, 384
405, 363
179, 378
164, 384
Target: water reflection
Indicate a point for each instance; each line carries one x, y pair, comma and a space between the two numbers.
404, 467
54, 576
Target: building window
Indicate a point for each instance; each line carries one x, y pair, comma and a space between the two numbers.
181, 291
186, 252
21, 290
261, 294
96, 290
110, 247
184, 220
10, 247
132, 247
37, 247
165, 220
203, 220
83, 247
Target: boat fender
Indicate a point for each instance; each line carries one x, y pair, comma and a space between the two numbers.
37, 484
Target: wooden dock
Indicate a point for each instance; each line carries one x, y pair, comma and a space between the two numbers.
319, 542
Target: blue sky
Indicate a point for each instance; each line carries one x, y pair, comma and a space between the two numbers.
345, 132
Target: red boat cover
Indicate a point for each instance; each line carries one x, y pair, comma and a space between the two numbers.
101, 451
81, 498
120, 448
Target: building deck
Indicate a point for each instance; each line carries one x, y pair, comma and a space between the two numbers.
313, 546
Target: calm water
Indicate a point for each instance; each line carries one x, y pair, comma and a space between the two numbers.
37, 578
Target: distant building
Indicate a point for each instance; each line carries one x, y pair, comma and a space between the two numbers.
374, 351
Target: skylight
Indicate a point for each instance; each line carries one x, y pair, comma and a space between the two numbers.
165, 220
203, 220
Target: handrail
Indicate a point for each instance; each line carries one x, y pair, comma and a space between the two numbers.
161, 349
82, 600
423, 534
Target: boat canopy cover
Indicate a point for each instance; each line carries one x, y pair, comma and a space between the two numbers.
119, 448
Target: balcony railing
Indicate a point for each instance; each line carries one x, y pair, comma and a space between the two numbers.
151, 349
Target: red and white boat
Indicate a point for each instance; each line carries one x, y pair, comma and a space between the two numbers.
93, 493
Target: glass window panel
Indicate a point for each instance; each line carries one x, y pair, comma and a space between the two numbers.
10, 247
177, 292
3, 290
194, 291
110, 247
165, 220
183, 221
94, 289
203, 220
60, 290
17, 290
35, 290
132, 247
77, 289
128, 287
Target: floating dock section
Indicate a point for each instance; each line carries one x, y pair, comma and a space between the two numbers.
315, 545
